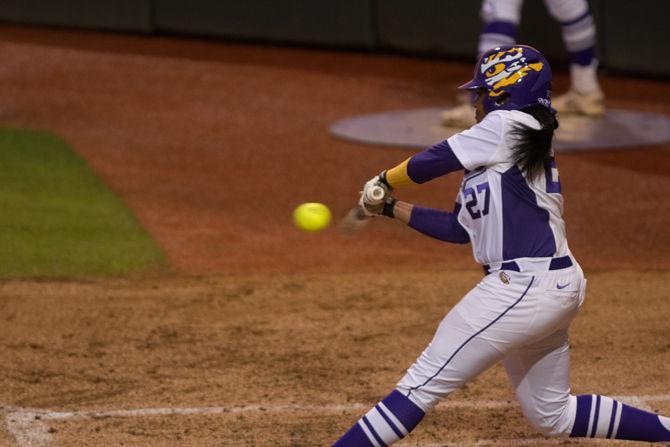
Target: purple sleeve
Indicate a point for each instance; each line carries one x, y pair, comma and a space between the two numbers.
441, 225
433, 162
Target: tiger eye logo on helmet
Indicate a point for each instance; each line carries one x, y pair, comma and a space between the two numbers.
506, 68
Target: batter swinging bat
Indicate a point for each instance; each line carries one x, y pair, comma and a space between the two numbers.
356, 218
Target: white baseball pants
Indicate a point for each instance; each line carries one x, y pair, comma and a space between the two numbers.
521, 319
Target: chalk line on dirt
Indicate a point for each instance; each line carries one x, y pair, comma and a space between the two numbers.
30, 427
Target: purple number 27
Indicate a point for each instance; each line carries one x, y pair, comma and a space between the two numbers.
472, 200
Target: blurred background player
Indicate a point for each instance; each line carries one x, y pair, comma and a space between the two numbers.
501, 19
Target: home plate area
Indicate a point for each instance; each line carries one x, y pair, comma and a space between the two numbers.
420, 128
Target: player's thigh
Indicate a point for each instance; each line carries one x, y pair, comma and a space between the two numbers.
559, 295
540, 375
454, 356
489, 321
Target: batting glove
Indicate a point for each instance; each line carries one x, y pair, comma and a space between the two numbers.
370, 202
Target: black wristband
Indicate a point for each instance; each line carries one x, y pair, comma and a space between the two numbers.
389, 205
383, 181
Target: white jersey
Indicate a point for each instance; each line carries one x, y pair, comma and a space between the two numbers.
506, 215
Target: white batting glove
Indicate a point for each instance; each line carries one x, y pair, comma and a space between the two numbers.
367, 210
375, 191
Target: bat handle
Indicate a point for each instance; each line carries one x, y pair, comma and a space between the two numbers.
375, 195
356, 218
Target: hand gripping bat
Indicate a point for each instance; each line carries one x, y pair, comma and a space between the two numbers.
356, 219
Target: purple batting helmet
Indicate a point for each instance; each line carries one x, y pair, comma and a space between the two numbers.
514, 77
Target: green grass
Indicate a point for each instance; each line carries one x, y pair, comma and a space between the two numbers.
57, 219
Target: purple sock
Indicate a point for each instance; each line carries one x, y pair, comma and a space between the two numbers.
584, 57
388, 422
579, 36
496, 34
604, 417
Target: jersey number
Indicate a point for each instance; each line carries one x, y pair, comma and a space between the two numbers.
472, 200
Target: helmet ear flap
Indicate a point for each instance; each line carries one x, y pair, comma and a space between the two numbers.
473, 96
502, 99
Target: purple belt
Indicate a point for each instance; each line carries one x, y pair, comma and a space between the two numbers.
556, 264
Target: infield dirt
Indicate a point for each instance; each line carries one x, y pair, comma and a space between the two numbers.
317, 340
212, 145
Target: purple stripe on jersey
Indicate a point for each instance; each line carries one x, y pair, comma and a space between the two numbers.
373, 431
433, 162
582, 415
612, 417
506, 28
526, 230
406, 411
469, 176
596, 417
583, 57
439, 224
389, 422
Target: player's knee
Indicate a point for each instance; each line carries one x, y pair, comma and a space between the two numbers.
565, 10
501, 11
425, 394
548, 425
552, 418
424, 399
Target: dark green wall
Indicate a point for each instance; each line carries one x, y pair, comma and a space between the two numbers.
452, 27
339, 23
122, 15
429, 26
637, 36
632, 36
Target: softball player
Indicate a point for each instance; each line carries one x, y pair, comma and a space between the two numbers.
501, 19
509, 207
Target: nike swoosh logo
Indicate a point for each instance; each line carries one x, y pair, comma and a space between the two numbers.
558, 286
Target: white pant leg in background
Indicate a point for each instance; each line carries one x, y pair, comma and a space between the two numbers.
566, 10
492, 320
579, 37
492, 11
501, 11
577, 26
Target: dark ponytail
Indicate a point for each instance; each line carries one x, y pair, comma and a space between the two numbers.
532, 151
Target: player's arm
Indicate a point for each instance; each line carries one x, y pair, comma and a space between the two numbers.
473, 148
437, 224
433, 162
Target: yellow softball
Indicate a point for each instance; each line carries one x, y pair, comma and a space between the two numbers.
311, 216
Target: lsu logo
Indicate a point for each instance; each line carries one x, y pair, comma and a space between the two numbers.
504, 277
505, 68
